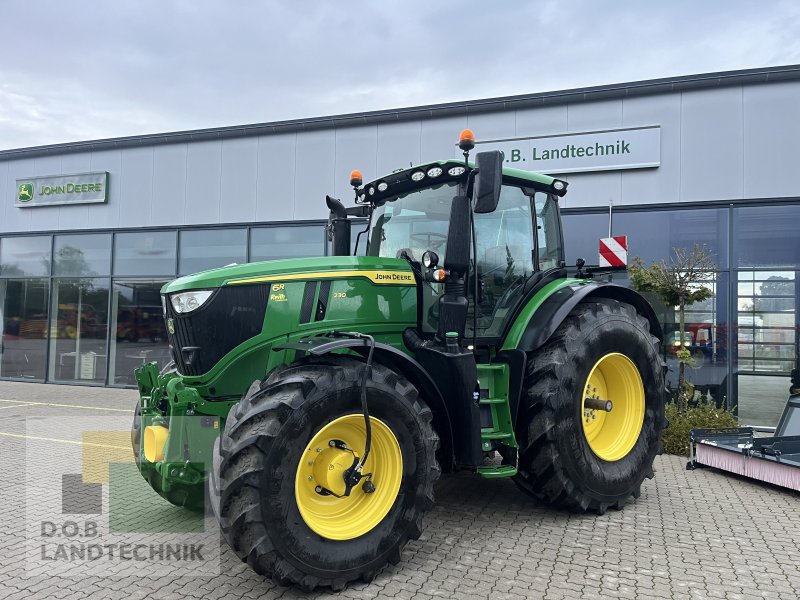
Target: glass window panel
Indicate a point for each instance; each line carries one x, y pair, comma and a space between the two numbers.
774, 304
776, 286
358, 227
745, 289
87, 255
761, 398
267, 243
79, 330
772, 275
148, 253
767, 236
203, 249
23, 328
582, 235
138, 333
25, 256
652, 235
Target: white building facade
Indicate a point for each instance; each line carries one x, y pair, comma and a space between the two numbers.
708, 159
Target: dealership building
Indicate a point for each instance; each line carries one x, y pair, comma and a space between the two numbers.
90, 231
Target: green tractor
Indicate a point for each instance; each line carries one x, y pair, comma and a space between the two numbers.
315, 402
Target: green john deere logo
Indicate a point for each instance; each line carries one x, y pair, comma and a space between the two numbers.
25, 193
171, 326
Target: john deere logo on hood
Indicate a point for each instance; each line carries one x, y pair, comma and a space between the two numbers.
25, 193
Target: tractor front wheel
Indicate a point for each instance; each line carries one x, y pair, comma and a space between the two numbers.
593, 411
278, 485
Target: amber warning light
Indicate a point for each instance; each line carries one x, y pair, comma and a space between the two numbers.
466, 141
356, 178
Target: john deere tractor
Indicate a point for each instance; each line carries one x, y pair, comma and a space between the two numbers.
314, 402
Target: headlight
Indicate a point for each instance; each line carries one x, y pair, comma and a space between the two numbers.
383, 186
186, 302
417, 176
434, 171
455, 171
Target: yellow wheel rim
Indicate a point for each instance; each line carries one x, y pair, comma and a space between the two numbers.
323, 465
612, 435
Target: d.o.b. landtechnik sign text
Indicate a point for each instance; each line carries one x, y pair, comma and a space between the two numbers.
633, 148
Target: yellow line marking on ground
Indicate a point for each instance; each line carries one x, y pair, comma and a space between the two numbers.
20, 405
48, 439
125, 410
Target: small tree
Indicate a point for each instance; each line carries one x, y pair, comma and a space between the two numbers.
677, 283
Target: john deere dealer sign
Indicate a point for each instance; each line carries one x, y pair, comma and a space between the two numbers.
631, 148
80, 188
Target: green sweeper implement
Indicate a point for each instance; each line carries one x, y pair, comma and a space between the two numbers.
313, 403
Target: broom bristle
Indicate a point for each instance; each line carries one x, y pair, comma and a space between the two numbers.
754, 468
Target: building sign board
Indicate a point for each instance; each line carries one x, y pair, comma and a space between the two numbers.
615, 149
80, 188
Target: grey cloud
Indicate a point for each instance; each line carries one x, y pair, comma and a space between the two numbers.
82, 70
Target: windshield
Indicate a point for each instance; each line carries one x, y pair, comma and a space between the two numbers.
415, 223
505, 248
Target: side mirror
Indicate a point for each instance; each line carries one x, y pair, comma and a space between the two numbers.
486, 191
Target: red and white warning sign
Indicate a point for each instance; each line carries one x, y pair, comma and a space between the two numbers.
614, 251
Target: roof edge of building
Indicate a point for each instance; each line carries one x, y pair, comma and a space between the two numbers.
586, 94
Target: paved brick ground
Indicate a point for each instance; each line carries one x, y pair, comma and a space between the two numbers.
700, 534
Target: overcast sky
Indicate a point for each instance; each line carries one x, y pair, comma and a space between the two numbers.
76, 70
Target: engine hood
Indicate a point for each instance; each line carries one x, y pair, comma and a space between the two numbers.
379, 270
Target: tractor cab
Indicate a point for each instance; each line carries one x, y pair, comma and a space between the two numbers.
479, 238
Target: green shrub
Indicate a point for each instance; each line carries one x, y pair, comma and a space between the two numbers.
704, 415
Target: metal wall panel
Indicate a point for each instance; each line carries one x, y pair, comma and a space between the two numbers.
169, 184
398, 146
136, 186
716, 144
314, 175
276, 177
203, 177
662, 184
356, 148
592, 189
19, 219
540, 121
590, 116
489, 126
8, 190
711, 144
771, 134
438, 137
239, 177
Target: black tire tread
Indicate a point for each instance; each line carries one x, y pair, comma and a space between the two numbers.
544, 478
243, 447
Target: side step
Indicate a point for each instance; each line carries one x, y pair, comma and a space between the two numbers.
497, 472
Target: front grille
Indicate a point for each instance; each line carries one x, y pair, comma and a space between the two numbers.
202, 337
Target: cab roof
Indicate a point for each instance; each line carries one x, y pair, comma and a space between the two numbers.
404, 181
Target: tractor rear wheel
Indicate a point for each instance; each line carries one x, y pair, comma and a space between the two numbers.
277, 483
190, 497
573, 452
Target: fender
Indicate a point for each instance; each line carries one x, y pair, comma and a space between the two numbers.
401, 363
555, 308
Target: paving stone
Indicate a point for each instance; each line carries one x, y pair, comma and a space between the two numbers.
692, 534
